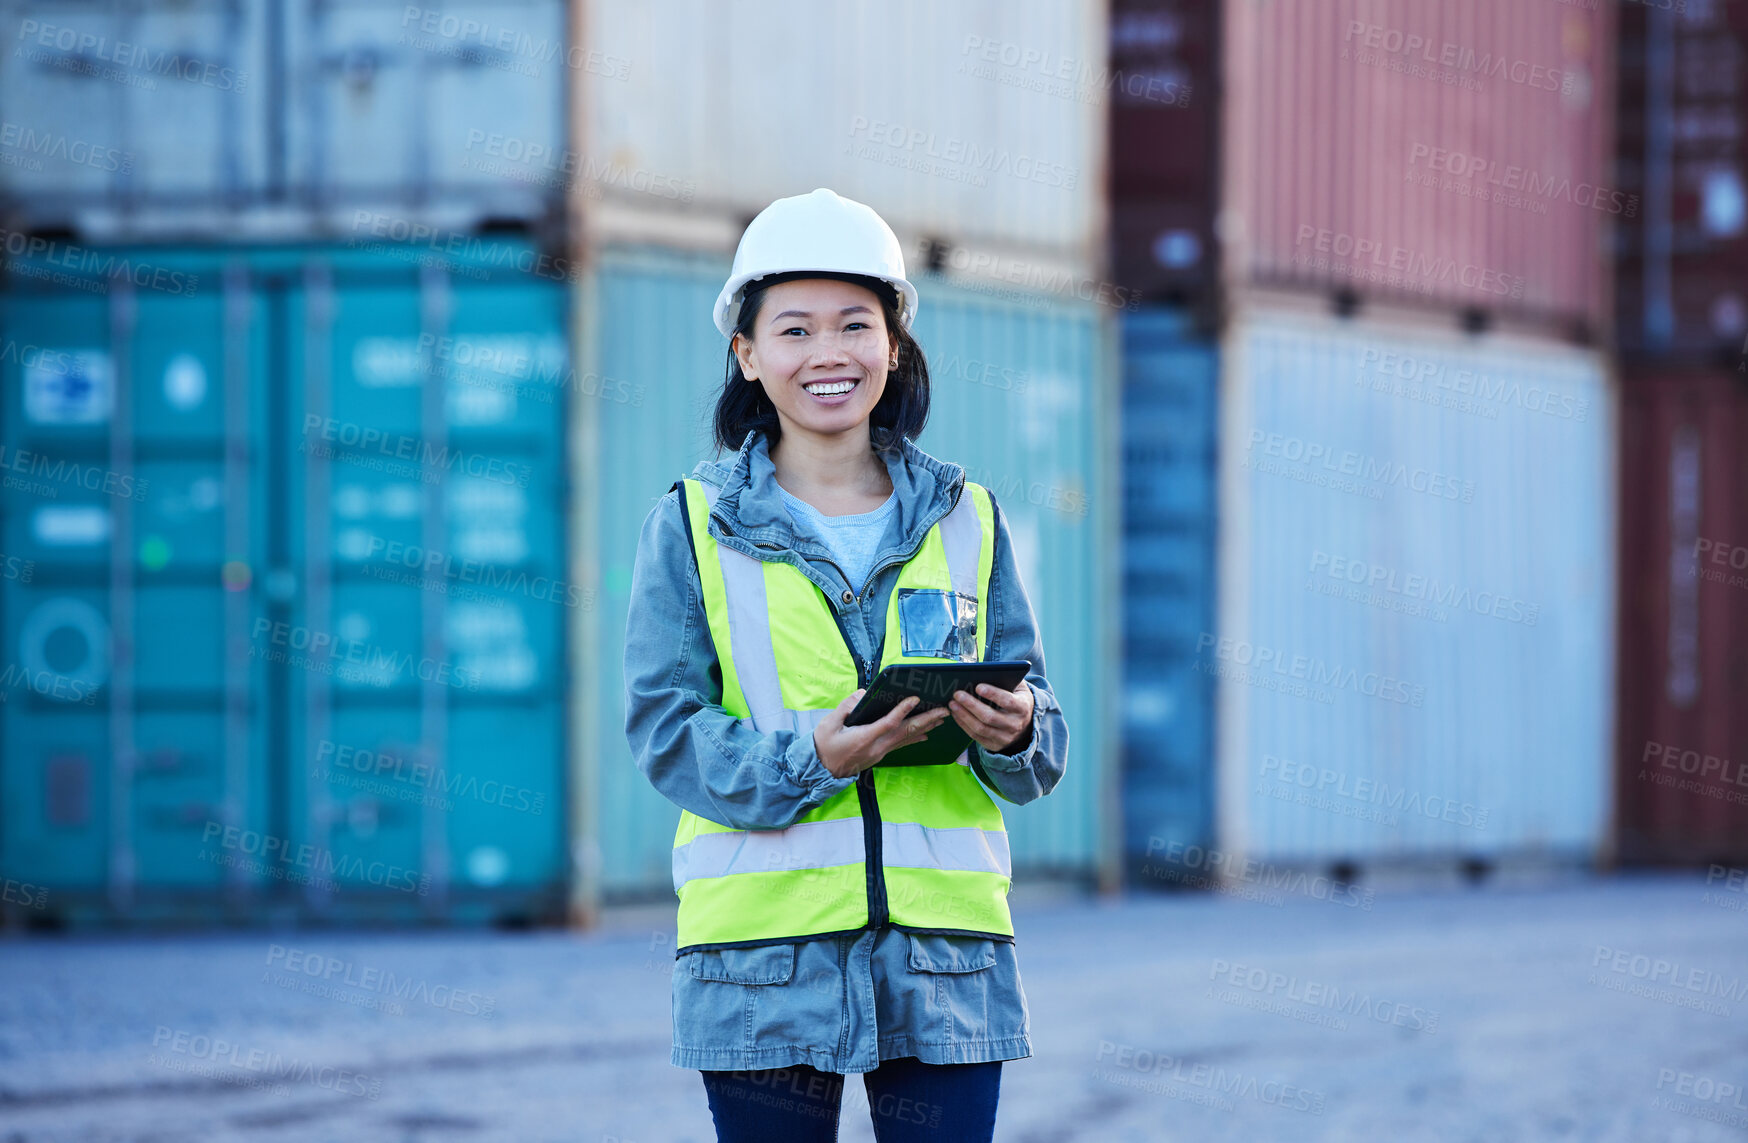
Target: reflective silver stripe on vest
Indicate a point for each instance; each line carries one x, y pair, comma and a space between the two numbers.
808, 845
962, 536
821, 845
800, 721
749, 634
912, 846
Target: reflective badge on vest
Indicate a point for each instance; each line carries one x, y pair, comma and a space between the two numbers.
937, 624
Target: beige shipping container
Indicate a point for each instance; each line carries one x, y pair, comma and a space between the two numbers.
981, 126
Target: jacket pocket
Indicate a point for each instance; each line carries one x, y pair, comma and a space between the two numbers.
763, 964
936, 952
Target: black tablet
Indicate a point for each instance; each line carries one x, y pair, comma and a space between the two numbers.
934, 684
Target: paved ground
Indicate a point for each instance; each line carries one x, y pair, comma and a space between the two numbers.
1588, 1010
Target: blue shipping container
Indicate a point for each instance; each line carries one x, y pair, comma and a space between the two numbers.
285, 638
1169, 390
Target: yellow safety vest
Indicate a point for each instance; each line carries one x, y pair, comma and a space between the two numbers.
915, 847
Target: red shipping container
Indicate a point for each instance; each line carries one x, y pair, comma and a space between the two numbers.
1681, 287
1164, 170
1454, 154
1682, 778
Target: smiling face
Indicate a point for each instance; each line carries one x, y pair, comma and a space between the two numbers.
821, 349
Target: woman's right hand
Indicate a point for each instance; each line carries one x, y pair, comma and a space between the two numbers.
849, 750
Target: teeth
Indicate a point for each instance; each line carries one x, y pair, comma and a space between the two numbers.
829, 388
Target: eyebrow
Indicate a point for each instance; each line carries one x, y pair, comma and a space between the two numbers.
806, 314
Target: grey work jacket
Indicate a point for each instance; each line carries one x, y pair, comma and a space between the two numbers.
841, 1004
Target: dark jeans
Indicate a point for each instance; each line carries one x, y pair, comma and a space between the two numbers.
909, 1101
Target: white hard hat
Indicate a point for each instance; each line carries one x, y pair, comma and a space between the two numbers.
818, 231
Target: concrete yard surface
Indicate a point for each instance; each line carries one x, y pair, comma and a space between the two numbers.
1593, 1009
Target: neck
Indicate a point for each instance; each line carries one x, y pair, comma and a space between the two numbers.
840, 464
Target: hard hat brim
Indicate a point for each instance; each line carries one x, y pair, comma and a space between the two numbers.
727, 310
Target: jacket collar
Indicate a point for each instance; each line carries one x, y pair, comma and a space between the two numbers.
750, 502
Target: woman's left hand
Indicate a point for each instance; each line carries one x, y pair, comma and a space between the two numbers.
997, 720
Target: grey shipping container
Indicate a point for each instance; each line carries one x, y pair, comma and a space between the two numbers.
1415, 648
340, 117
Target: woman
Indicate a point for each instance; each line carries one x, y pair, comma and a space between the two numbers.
834, 918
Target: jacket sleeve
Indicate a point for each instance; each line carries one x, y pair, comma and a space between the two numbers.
1034, 769
691, 749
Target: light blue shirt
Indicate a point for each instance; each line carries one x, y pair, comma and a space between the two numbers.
854, 540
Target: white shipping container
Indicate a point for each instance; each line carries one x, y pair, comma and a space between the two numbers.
1415, 649
981, 124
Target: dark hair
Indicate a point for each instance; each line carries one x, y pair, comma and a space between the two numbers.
903, 408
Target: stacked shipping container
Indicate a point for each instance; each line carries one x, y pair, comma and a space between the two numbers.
1682, 317
285, 523
981, 143
283, 540
1415, 523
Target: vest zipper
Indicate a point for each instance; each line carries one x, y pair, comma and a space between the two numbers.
873, 858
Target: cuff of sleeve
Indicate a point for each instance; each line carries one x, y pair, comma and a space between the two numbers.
809, 772
1022, 758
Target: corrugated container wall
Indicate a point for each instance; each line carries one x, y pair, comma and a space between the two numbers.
224, 118
1682, 265
1453, 155
1415, 646
1164, 165
1022, 397
1682, 785
978, 125
281, 557
1169, 420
